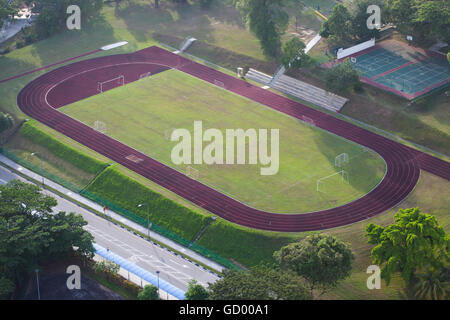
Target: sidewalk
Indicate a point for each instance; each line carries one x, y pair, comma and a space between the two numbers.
94, 206
143, 279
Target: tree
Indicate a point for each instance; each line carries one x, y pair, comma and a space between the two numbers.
414, 242
322, 260
341, 77
432, 285
448, 57
196, 291
149, 292
53, 14
259, 283
205, 3
294, 55
338, 28
108, 266
6, 9
6, 121
432, 17
31, 234
360, 16
400, 12
6, 288
267, 20
295, 6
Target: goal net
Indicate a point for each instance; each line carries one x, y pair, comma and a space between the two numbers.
341, 159
110, 84
168, 133
192, 173
308, 120
322, 182
100, 126
145, 75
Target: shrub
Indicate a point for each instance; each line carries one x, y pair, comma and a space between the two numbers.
149, 292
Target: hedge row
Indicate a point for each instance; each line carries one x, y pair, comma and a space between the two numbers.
127, 193
68, 153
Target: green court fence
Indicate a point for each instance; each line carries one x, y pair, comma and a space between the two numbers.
124, 212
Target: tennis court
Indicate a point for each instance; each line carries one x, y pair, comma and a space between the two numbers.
406, 71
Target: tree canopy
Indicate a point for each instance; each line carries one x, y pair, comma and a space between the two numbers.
53, 14
414, 242
294, 55
322, 260
341, 77
259, 283
6, 121
149, 292
196, 291
31, 234
268, 20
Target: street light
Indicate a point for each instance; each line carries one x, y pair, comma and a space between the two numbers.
157, 273
148, 216
42, 167
37, 280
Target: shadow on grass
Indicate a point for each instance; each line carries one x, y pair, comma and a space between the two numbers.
363, 168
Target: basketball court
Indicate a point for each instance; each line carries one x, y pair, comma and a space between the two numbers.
401, 69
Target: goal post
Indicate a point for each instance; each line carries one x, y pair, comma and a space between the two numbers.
308, 120
145, 75
320, 183
100, 126
341, 159
192, 172
102, 86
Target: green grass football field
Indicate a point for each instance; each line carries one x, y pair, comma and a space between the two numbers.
142, 115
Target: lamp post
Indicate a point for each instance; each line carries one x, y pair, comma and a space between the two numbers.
157, 273
148, 216
42, 167
37, 281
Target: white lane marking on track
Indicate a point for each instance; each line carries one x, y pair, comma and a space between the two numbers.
139, 256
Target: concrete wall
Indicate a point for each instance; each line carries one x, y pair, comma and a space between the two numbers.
342, 53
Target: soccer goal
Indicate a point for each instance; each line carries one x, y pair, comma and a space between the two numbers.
111, 83
219, 83
192, 173
321, 183
308, 120
145, 75
100, 126
341, 159
168, 133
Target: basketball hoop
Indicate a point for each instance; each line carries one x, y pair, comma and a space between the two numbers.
353, 59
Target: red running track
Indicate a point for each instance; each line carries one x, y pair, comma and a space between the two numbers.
41, 98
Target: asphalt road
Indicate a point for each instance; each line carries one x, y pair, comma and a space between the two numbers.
173, 268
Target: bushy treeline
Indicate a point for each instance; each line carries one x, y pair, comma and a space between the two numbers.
425, 20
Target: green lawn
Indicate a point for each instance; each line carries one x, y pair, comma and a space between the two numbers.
142, 114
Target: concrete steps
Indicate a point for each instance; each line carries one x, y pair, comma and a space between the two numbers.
299, 89
310, 93
258, 76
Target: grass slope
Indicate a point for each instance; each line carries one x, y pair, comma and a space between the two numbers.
142, 114
123, 191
